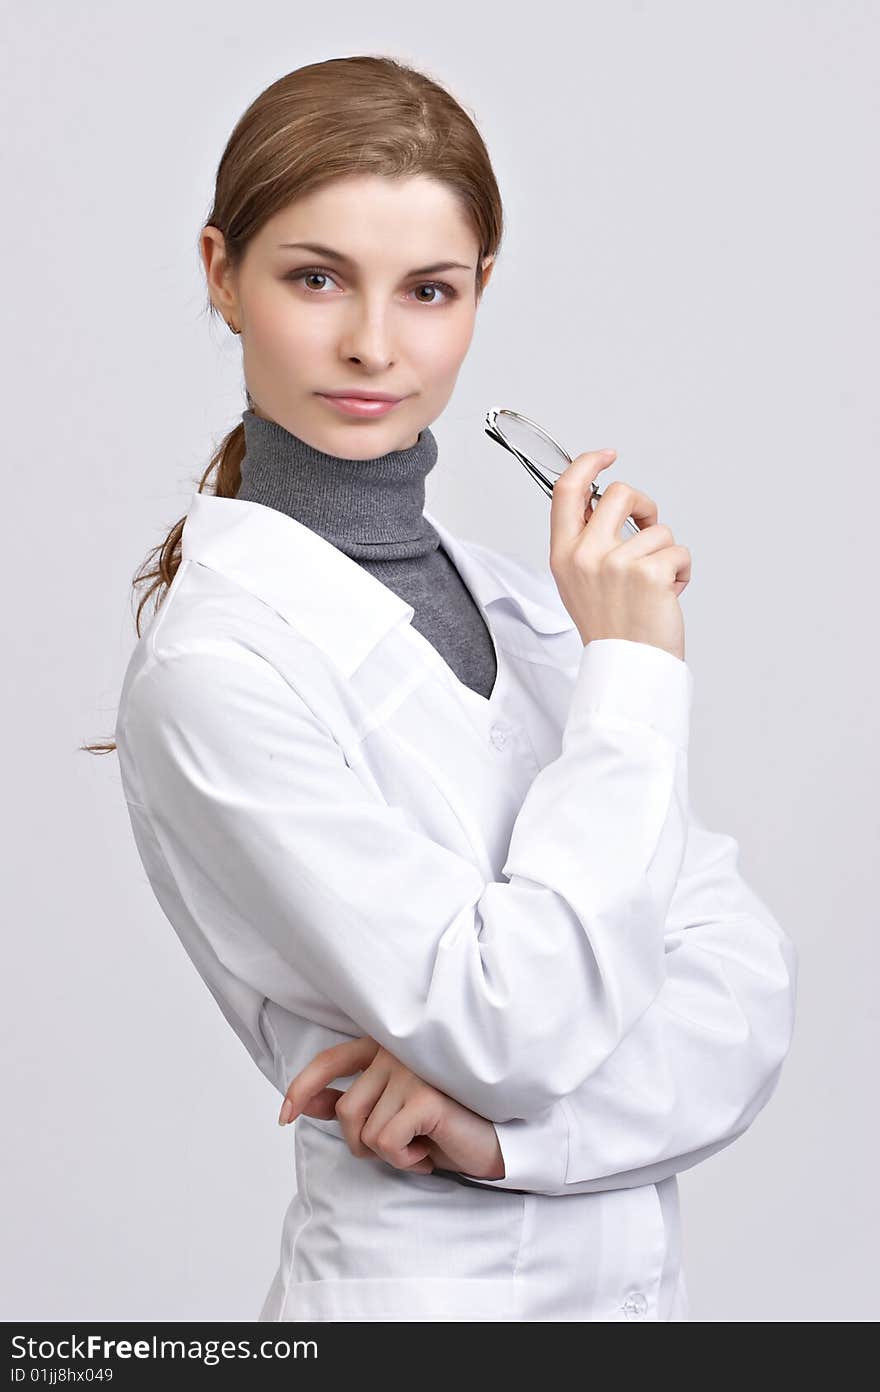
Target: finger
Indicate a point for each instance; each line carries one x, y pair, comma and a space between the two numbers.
357, 1104
323, 1104
671, 563
339, 1061
619, 501
571, 490
653, 537
425, 1166
683, 573
679, 562
403, 1141
373, 1126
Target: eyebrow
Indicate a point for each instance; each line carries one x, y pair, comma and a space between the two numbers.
329, 254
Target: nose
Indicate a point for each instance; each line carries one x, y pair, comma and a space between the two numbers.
366, 339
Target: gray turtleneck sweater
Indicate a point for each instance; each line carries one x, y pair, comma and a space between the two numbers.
373, 511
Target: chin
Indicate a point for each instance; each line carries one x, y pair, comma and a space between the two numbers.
365, 439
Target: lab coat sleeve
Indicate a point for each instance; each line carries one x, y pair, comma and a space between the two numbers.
506, 995
697, 1067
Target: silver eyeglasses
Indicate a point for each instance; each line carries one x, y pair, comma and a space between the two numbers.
540, 455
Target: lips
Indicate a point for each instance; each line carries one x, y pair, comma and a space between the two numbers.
359, 405
362, 396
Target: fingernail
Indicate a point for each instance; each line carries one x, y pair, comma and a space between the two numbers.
608, 454
286, 1109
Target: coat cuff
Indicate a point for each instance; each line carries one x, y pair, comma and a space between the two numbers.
622, 678
535, 1153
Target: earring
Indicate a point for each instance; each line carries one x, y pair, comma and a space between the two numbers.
232, 327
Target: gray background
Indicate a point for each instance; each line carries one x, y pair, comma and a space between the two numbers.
690, 275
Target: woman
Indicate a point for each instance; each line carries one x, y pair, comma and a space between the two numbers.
419, 812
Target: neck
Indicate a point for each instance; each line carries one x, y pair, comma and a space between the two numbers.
368, 508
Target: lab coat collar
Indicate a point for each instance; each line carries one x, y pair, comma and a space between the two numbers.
322, 592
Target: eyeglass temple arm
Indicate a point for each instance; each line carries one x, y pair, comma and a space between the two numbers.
540, 479
547, 484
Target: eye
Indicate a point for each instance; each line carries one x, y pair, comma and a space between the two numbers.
302, 275
447, 290
315, 272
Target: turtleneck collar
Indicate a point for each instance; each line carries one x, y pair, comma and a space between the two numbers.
369, 508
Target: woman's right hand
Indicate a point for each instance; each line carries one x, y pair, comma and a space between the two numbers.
613, 588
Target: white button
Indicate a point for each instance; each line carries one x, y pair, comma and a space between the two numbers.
635, 1305
498, 736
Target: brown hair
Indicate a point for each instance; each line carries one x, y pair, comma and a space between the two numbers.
358, 115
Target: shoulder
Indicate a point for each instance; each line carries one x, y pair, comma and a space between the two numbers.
207, 610
214, 645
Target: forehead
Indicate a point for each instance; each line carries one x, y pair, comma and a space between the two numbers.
362, 215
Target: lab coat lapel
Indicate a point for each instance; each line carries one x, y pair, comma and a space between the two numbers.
344, 610
492, 576
315, 587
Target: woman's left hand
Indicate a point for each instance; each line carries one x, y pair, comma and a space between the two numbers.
391, 1112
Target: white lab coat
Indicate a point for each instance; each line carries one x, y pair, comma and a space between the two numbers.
513, 895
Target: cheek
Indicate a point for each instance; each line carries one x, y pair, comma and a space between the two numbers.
278, 325
442, 353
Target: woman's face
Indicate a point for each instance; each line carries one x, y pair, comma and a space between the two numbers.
386, 312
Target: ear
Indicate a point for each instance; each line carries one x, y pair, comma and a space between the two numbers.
212, 246
488, 267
